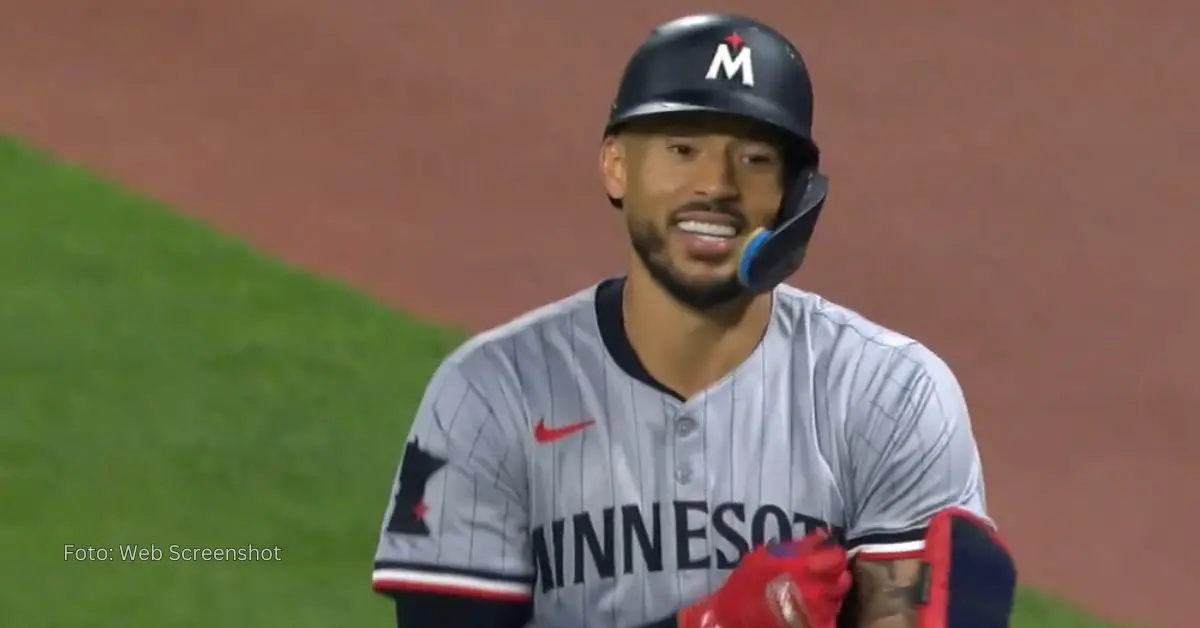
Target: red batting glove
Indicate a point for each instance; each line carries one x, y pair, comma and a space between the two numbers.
798, 584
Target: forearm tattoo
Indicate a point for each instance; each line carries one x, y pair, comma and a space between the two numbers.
888, 592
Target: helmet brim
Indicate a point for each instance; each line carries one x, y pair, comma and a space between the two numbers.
739, 104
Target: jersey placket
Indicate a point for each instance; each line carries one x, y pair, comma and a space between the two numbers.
690, 477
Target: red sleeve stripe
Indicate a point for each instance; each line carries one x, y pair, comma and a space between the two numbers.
889, 551
392, 579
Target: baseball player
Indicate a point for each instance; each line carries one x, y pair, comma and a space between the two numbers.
694, 444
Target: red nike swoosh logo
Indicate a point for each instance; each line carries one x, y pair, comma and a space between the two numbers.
543, 434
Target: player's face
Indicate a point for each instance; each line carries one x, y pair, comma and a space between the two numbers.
693, 189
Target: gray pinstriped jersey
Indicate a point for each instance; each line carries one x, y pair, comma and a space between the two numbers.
538, 467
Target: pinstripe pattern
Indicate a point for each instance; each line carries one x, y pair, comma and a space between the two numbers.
832, 420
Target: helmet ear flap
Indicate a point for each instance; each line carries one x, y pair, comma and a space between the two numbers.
770, 257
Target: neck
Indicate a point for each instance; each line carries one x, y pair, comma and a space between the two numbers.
685, 349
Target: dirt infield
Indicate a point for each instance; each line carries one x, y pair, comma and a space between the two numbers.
1014, 184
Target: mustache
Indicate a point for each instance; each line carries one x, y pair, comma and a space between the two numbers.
727, 208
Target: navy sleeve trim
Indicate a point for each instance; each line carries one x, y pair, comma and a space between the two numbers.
888, 546
394, 576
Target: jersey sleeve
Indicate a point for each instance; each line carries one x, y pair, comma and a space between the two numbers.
912, 454
457, 521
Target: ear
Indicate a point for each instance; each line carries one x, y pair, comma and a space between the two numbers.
612, 167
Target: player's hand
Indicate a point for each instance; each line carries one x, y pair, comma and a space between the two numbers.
798, 584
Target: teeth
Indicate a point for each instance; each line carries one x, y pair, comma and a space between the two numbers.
707, 229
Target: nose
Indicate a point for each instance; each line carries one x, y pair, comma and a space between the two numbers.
714, 178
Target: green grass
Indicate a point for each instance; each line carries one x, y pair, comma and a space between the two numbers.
160, 384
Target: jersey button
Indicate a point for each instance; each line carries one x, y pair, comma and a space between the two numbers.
683, 473
686, 426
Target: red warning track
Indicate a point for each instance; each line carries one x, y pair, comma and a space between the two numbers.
1013, 183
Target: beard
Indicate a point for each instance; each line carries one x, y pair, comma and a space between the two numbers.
651, 247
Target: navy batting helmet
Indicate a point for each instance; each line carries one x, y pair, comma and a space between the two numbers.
734, 65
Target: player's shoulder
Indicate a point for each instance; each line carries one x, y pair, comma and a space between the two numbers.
842, 340
506, 345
